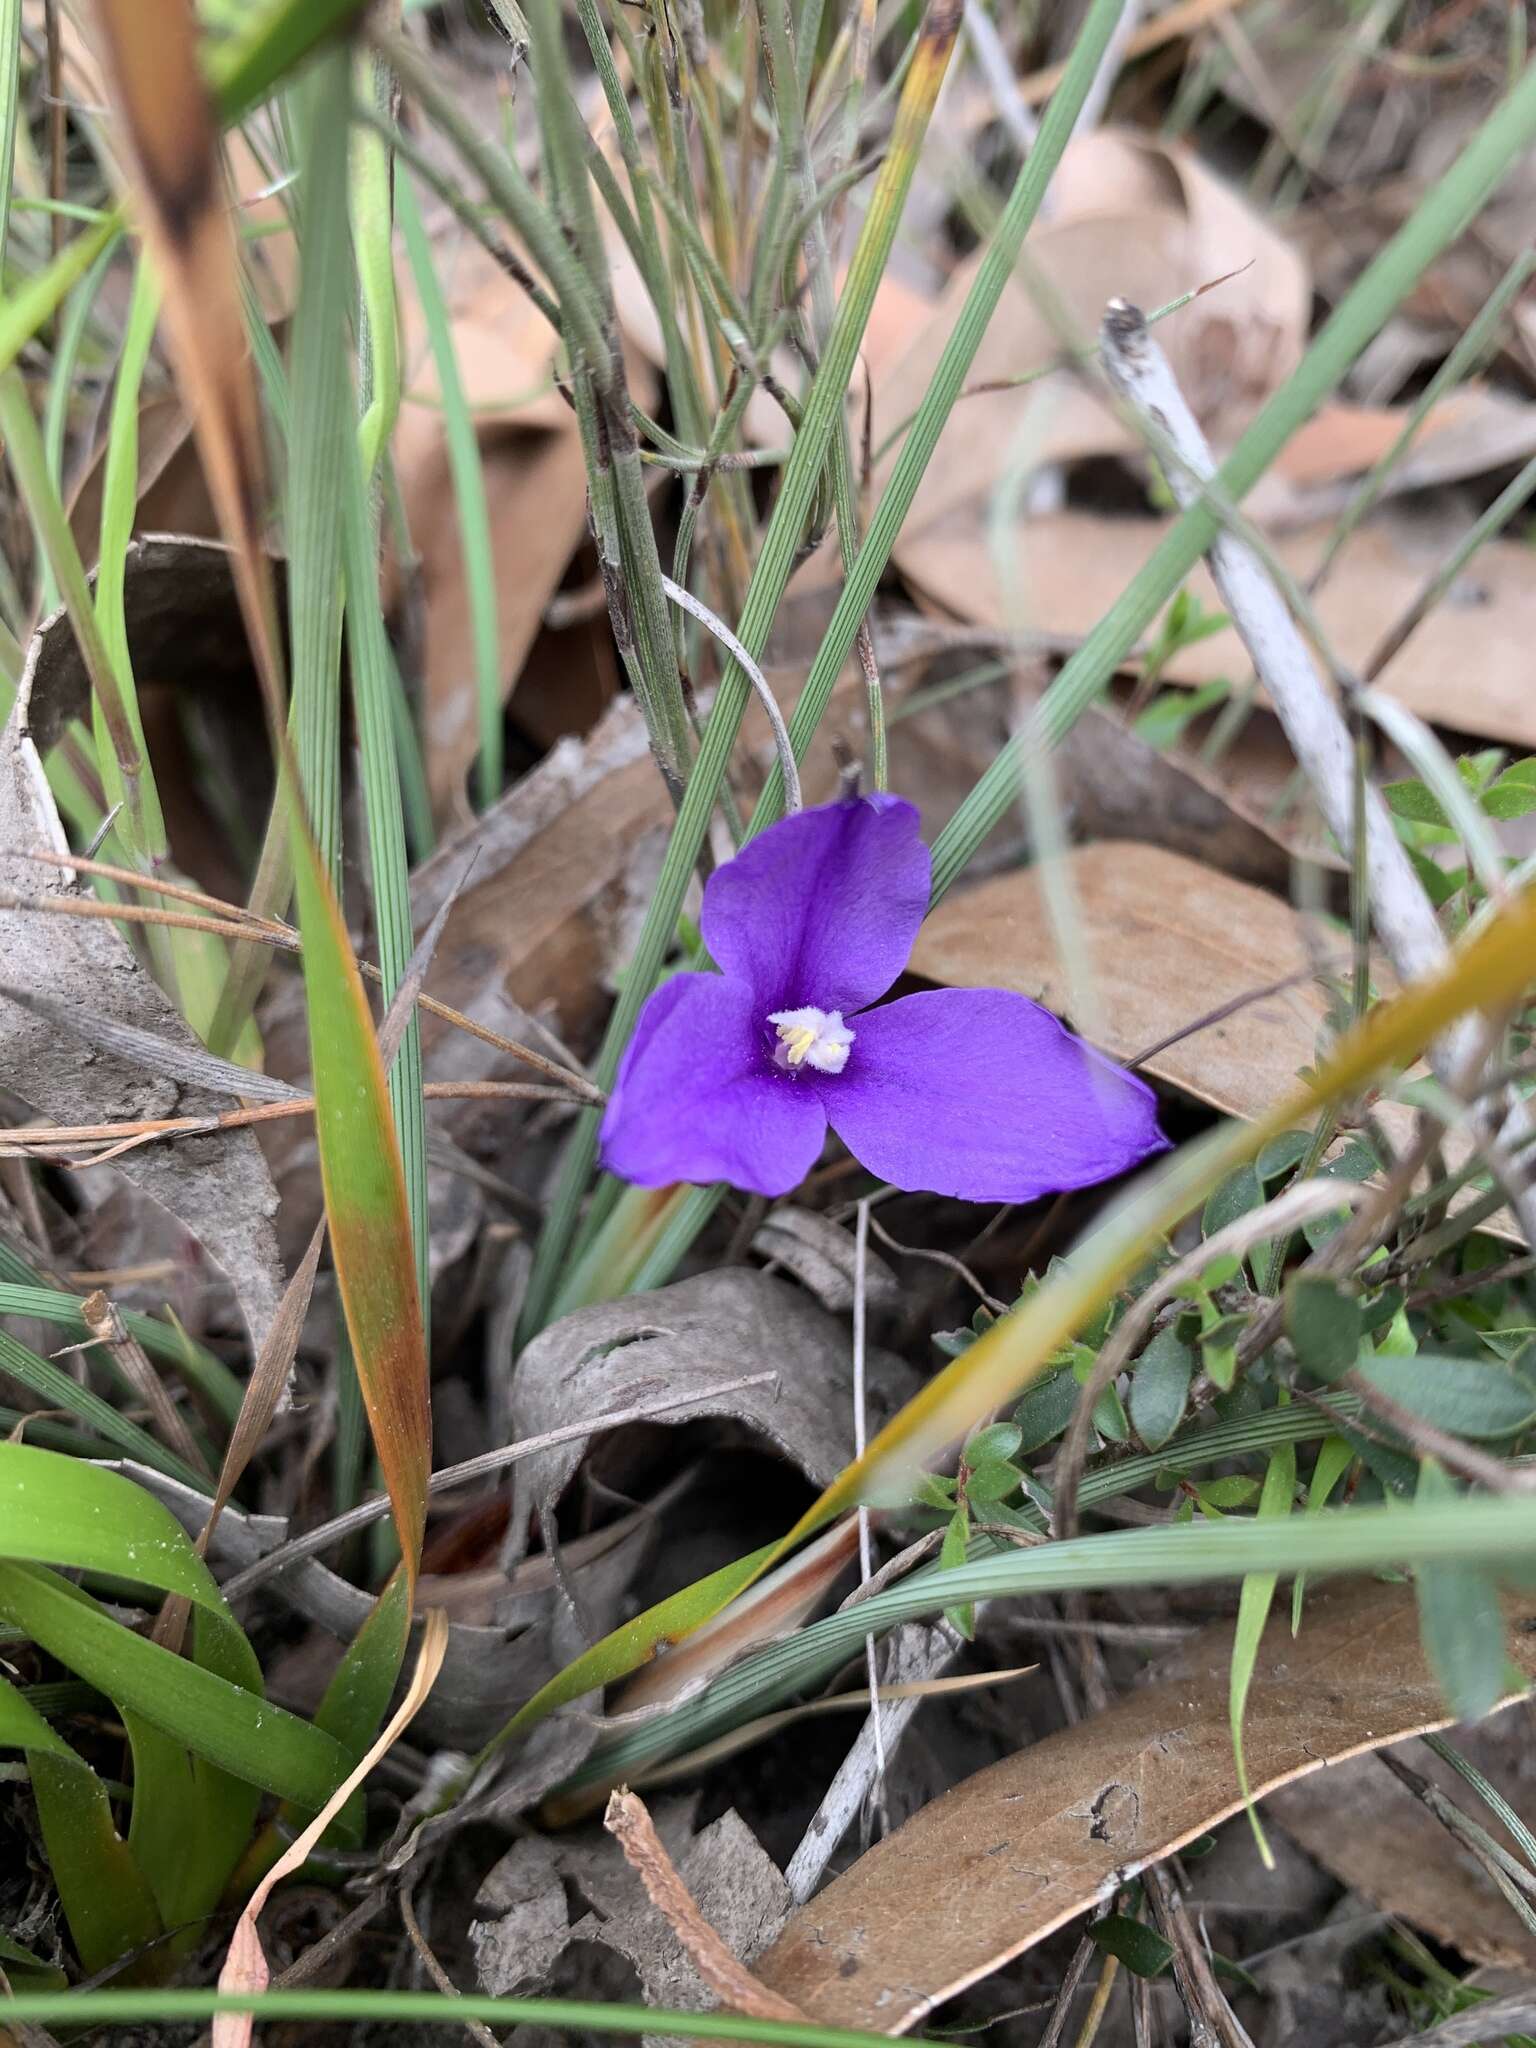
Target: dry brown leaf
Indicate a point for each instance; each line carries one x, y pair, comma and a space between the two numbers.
1138, 220
535, 487
172, 494
1019, 1850
1369, 1830
1167, 941
1467, 666
1474, 430
1241, 817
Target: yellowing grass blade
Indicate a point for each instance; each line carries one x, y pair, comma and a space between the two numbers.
1489, 968
151, 47
245, 1966
365, 1203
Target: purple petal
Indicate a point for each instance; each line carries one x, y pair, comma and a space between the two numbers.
982, 1094
698, 1097
823, 907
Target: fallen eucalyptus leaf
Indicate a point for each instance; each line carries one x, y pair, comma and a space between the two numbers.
1366, 1827
1062, 1825
1174, 940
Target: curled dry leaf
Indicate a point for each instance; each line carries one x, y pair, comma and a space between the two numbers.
1062, 1825
607, 1356
535, 489
820, 1255
216, 1186
1133, 218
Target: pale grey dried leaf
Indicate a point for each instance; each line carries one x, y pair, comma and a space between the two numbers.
186, 1065
618, 1353
523, 1923
216, 1184
739, 1889
820, 1254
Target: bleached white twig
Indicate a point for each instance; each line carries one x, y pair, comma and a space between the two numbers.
1091, 112
1313, 723
860, 1433
714, 624
917, 1652
992, 62
1319, 738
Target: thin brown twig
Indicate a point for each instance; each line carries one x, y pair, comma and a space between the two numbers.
46, 1141
1077, 1969
1212, 2022
477, 2030
938, 1258
731, 1981
240, 926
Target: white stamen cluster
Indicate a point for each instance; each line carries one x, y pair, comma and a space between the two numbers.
812, 1038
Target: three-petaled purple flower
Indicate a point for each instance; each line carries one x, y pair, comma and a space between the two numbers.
735, 1076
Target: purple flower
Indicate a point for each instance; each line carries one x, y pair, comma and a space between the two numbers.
971, 1092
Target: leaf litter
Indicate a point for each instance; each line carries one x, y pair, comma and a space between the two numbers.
752, 1348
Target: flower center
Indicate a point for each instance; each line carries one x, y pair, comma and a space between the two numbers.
811, 1038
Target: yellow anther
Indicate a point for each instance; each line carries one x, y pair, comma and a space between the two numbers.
797, 1042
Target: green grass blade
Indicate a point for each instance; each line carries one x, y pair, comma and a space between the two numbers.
1253, 1607
28, 310
469, 496
423, 2008
1498, 1532
10, 89
233, 1727
318, 446
801, 481
388, 862
106, 1897
365, 1202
